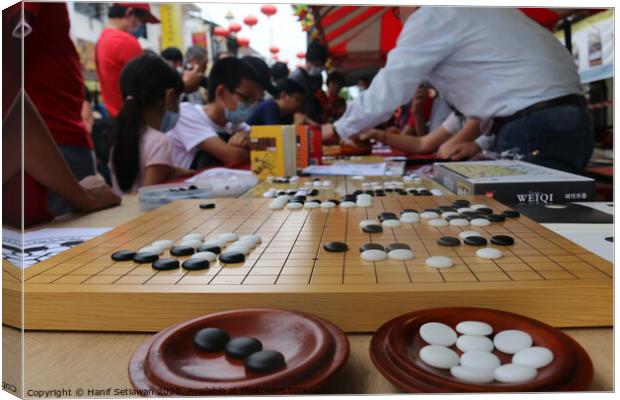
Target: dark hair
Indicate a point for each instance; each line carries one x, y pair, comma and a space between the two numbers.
229, 72
289, 87
118, 11
143, 81
279, 71
364, 79
316, 52
336, 77
172, 54
197, 53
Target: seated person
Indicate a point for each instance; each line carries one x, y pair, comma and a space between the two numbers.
216, 133
141, 153
281, 110
452, 140
336, 105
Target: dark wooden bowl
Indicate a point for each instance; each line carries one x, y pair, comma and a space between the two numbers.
169, 362
395, 347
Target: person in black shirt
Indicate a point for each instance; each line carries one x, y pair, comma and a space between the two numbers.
311, 79
279, 111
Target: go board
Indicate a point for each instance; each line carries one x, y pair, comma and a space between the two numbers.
341, 185
542, 276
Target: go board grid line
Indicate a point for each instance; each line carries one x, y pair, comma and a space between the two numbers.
346, 230
318, 250
374, 264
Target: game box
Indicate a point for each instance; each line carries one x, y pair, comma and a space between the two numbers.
514, 182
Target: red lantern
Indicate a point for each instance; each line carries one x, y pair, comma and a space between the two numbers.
269, 10
243, 42
274, 50
250, 20
234, 27
301, 55
220, 31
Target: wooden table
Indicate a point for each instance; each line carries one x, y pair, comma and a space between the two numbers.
98, 361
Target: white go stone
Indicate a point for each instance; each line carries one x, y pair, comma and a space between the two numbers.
205, 255
489, 253
327, 183
480, 359
348, 204
511, 341
436, 192
311, 204
228, 236
535, 357
464, 209
513, 373
364, 204
373, 255
480, 222
151, 249
194, 236
466, 234
294, 205
474, 328
400, 254
316, 183
366, 222
447, 214
459, 222
439, 356
439, 262
364, 197
391, 223
438, 333
164, 244
470, 342
437, 222
251, 238
409, 217
239, 248
429, 215
478, 206
472, 375
328, 204
195, 243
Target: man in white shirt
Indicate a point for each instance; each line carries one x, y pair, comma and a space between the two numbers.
489, 63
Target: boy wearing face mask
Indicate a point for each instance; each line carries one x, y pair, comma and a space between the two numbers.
311, 79
216, 133
117, 45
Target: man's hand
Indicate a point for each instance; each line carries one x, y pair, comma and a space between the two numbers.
329, 135
192, 78
376, 134
240, 139
101, 196
418, 98
459, 151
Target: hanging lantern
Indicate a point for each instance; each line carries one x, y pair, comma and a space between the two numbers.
234, 27
250, 21
301, 55
220, 31
243, 42
269, 10
274, 50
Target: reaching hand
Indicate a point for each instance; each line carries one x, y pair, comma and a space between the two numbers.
101, 196
376, 134
459, 151
329, 135
240, 139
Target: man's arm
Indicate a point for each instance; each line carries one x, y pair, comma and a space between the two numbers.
224, 152
422, 44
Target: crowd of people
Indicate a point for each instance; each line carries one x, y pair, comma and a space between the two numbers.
455, 84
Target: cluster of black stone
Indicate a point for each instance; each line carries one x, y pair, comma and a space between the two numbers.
500, 240
285, 179
183, 189
243, 347
311, 193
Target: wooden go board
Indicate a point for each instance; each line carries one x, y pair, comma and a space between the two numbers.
543, 275
341, 185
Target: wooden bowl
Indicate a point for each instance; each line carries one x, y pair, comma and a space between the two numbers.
395, 347
169, 362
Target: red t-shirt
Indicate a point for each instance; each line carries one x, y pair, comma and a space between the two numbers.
114, 50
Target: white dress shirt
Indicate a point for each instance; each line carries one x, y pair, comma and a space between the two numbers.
485, 62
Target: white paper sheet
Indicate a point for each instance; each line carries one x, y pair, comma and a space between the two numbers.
43, 243
344, 169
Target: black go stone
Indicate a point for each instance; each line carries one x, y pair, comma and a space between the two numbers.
281, 193
349, 197
402, 192
397, 246
370, 192
451, 217
435, 210
424, 192
231, 257
379, 193
212, 249
495, 217
166, 264
291, 192
195, 264
211, 339
123, 255
207, 206
386, 215
469, 214
146, 257
484, 211
610, 239
406, 210
511, 214
336, 202
182, 251
358, 192
371, 246
446, 208
372, 228
461, 203
450, 241
475, 241
314, 201
265, 361
389, 190
502, 240
192, 187
313, 192
335, 247
243, 346
300, 198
